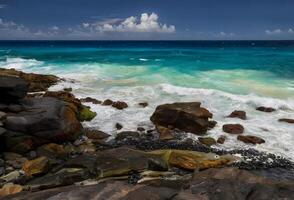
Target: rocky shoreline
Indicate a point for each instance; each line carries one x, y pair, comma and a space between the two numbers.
46, 153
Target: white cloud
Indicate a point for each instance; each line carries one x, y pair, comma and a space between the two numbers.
224, 34
273, 32
2, 6
290, 30
145, 24
55, 28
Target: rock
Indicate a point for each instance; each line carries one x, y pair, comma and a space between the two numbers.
233, 128
143, 104
291, 121
188, 117
118, 126
85, 161
16, 163
96, 134
37, 166
12, 89
141, 129
10, 177
107, 102
86, 114
208, 141
238, 114
265, 109
250, 139
164, 133
46, 118
221, 139
52, 150
211, 124
127, 134
120, 105
2, 130
67, 89
90, 100
68, 97
37, 82
9, 189
2, 115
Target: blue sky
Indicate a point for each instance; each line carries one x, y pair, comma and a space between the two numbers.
147, 19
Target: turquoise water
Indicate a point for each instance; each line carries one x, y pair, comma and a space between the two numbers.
224, 76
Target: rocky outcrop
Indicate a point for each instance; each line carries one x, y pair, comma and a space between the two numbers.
238, 114
37, 82
188, 117
265, 109
250, 139
233, 128
120, 105
12, 89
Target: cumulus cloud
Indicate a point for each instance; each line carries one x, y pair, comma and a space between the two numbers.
224, 34
145, 24
290, 30
273, 32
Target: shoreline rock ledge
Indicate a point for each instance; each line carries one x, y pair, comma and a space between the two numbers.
186, 116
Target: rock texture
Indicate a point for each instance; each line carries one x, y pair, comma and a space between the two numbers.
233, 128
250, 139
12, 89
238, 114
188, 117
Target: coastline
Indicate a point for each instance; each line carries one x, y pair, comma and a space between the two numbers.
78, 154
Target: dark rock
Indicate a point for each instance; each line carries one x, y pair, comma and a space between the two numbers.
95, 134
107, 102
143, 104
127, 134
208, 141
250, 139
37, 82
265, 109
233, 128
2, 115
238, 114
91, 100
67, 89
12, 89
118, 126
86, 161
211, 124
120, 105
291, 121
156, 164
188, 117
46, 118
2, 130
221, 139
141, 129
52, 151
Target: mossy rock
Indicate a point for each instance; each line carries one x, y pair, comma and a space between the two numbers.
86, 114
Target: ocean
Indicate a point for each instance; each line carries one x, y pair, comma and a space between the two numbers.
223, 75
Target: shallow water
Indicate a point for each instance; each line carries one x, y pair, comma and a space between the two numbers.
224, 76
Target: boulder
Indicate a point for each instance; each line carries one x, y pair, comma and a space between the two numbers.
265, 109
233, 128
221, 139
250, 139
95, 134
37, 82
90, 100
12, 89
208, 141
120, 105
238, 114
118, 126
37, 166
290, 121
188, 117
107, 102
46, 118
127, 134
143, 104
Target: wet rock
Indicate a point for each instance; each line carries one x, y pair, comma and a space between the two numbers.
143, 104
291, 121
85, 161
96, 134
52, 150
120, 105
107, 102
10, 177
211, 124
2, 115
46, 118
221, 139
9, 189
12, 89
90, 100
265, 109
67, 89
141, 129
238, 114
188, 117
233, 128
118, 126
86, 114
37, 166
127, 134
250, 139
208, 141
164, 133
15, 162
2, 130
37, 82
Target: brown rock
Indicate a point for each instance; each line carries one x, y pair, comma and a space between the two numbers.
233, 128
212, 124
95, 134
265, 109
127, 134
91, 100
291, 121
118, 126
120, 105
9, 189
221, 139
250, 139
37, 166
107, 102
188, 117
238, 114
208, 141
143, 104
52, 150
164, 133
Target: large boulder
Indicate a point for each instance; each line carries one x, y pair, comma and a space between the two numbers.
12, 89
188, 117
37, 82
46, 118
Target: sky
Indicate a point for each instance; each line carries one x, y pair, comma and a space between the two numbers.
146, 19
